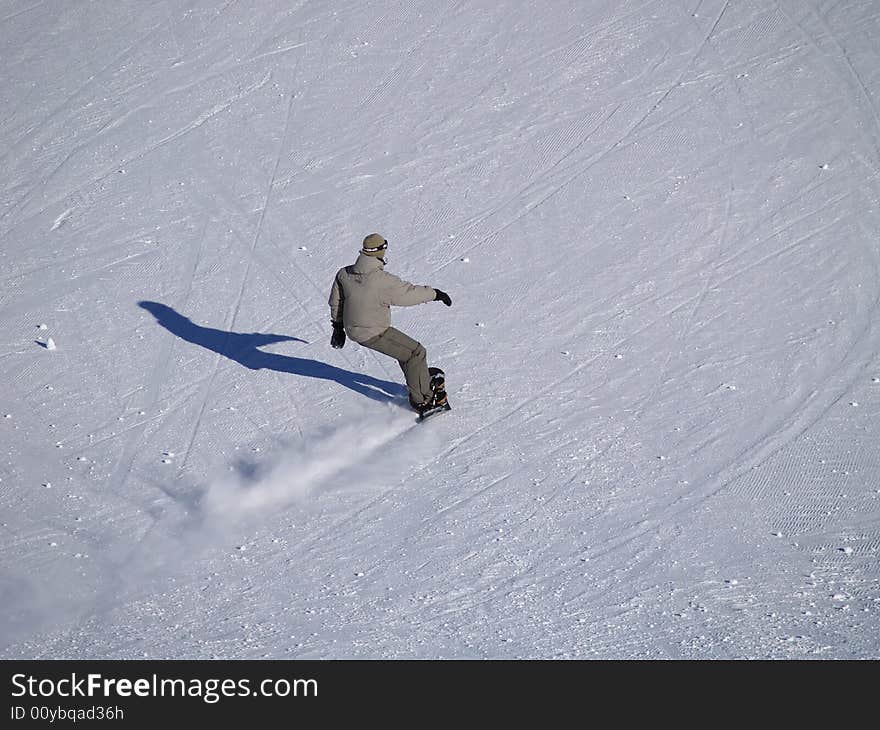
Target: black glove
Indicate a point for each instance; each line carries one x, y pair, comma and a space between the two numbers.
337, 341
442, 296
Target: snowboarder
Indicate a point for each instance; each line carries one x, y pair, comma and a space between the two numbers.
360, 306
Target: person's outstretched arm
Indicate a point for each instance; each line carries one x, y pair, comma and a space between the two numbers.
401, 293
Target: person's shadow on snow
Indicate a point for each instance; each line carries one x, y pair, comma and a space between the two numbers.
243, 348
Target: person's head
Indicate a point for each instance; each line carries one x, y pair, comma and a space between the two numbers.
375, 245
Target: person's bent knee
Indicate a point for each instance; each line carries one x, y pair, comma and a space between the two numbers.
417, 353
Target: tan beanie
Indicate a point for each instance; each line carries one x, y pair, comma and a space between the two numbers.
374, 245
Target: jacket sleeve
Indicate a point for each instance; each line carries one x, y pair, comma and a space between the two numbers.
337, 300
401, 293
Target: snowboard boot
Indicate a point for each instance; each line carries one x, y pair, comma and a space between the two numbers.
438, 379
438, 400
438, 385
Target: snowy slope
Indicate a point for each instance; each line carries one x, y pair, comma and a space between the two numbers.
660, 226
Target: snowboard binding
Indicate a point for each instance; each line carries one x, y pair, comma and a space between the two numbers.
439, 402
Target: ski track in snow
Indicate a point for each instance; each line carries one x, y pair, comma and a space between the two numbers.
659, 228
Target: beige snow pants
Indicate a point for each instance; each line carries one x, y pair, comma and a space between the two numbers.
413, 360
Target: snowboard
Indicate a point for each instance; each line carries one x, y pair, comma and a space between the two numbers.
438, 385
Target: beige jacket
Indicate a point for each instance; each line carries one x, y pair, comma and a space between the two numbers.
362, 296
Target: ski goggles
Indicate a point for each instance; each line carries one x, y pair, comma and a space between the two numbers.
375, 249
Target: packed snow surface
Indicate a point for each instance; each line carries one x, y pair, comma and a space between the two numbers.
659, 223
